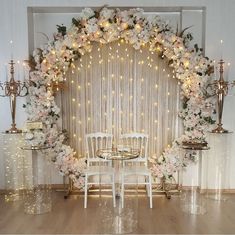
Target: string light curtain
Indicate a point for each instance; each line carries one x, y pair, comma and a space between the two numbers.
117, 89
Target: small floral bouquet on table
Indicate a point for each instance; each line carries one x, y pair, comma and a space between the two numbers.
34, 135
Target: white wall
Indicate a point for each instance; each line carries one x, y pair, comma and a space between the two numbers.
219, 24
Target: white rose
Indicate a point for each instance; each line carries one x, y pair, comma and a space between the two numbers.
29, 136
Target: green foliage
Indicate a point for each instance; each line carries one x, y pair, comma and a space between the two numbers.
209, 120
61, 29
75, 22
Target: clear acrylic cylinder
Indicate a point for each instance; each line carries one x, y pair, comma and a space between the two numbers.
218, 166
37, 198
14, 166
193, 198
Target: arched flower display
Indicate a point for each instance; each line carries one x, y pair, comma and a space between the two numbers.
53, 60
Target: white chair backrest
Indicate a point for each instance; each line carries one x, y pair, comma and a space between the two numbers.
95, 141
137, 141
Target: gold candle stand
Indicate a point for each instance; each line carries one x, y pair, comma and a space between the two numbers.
13, 89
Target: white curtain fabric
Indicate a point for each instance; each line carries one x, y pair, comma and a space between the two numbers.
117, 89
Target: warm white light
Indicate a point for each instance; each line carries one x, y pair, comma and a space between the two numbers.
73, 99
124, 25
106, 24
137, 27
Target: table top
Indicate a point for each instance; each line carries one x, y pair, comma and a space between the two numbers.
41, 147
115, 154
195, 148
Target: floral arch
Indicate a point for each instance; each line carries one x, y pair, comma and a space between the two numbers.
52, 61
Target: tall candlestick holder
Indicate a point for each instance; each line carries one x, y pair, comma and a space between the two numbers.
221, 88
13, 89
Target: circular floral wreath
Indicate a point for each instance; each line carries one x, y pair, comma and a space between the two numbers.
52, 61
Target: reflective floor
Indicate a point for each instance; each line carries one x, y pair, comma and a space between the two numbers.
69, 216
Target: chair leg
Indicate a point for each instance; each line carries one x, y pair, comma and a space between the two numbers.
150, 191
85, 196
114, 193
122, 191
147, 185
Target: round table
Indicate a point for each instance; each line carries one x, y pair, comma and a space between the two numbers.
116, 154
120, 220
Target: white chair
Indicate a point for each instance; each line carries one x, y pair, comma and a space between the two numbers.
95, 165
136, 167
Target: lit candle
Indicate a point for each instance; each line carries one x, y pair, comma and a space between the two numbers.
11, 42
221, 47
6, 72
24, 71
215, 70
227, 73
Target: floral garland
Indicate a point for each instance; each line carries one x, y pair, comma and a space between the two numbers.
52, 61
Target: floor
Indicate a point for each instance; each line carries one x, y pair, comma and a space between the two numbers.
69, 217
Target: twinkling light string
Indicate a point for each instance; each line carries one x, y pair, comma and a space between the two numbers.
121, 96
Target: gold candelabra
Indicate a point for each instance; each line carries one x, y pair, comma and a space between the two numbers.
13, 89
221, 90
